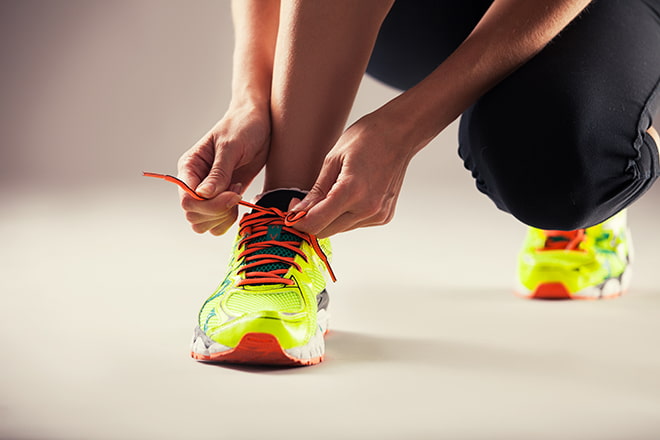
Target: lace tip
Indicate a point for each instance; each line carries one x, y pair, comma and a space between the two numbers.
177, 181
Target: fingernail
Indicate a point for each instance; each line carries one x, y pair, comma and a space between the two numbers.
293, 203
236, 187
233, 201
302, 206
206, 190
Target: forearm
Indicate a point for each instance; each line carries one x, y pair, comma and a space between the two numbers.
255, 32
510, 33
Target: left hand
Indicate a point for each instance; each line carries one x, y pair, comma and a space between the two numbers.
359, 182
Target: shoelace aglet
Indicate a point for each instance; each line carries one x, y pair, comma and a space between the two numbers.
321, 254
177, 181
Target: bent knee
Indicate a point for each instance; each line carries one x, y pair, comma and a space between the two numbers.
569, 201
556, 211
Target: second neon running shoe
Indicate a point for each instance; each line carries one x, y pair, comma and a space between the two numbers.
590, 263
271, 308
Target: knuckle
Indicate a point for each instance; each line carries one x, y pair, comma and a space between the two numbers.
308, 227
187, 203
200, 229
192, 217
379, 217
184, 159
371, 207
218, 173
317, 191
223, 227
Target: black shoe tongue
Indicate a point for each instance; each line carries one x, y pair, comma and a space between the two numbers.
280, 199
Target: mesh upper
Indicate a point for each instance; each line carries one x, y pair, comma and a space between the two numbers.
246, 302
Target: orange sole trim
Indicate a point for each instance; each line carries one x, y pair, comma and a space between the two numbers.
551, 291
257, 349
557, 291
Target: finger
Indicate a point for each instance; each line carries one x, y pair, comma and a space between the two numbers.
326, 200
350, 220
372, 213
327, 211
328, 176
217, 224
245, 174
212, 207
219, 177
195, 217
201, 228
294, 201
195, 163
343, 223
224, 227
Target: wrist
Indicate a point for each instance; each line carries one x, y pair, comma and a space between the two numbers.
251, 95
250, 101
408, 124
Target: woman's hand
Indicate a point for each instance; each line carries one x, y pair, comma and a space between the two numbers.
360, 179
221, 165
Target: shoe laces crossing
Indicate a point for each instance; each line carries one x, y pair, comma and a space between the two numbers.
266, 259
257, 253
563, 240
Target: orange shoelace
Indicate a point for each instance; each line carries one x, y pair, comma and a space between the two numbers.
566, 240
256, 225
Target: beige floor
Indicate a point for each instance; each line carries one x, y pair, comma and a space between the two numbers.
102, 278
100, 290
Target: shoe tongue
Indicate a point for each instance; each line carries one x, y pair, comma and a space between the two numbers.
280, 199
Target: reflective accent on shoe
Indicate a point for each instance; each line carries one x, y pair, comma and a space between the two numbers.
590, 263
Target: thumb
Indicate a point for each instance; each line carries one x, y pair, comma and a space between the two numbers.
219, 176
325, 181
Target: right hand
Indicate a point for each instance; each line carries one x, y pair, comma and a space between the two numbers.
221, 165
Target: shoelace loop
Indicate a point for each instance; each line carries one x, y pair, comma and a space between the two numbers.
255, 225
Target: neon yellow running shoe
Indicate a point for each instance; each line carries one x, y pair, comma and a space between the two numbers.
590, 263
271, 308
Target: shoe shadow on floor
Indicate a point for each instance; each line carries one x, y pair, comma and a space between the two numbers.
348, 350
352, 347
343, 347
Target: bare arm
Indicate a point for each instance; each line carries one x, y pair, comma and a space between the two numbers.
255, 33
509, 34
362, 175
225, 160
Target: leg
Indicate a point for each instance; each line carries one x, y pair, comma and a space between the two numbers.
321, 55
417, 35
564, 142
271, 308
655, 136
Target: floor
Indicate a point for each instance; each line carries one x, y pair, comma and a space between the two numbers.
102, 279
100, 291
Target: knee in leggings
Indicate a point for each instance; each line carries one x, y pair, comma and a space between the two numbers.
555, 170
556, 207
556, 191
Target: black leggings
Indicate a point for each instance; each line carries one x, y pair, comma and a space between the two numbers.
561, 143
